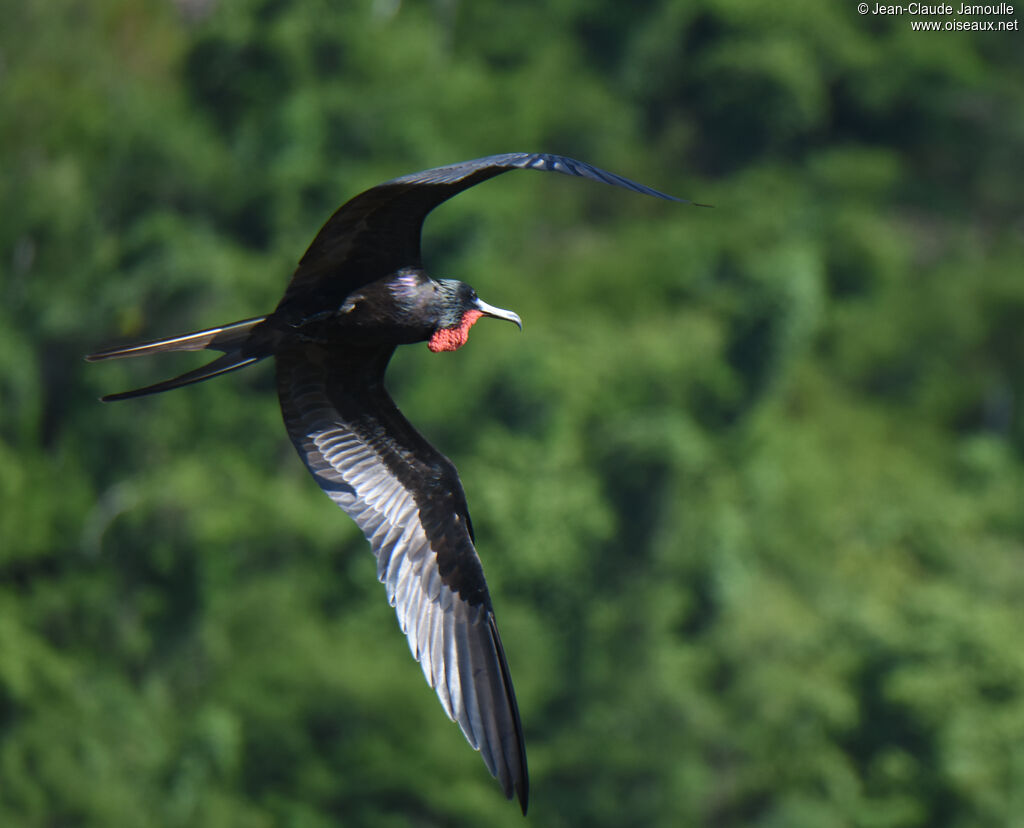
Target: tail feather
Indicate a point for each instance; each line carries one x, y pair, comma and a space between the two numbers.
225, 338
231, 339
221, 365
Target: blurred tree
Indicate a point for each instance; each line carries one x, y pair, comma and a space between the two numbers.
748, 489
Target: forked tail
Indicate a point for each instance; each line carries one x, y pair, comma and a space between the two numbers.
231, 339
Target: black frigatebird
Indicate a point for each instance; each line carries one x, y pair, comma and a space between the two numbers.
359, 291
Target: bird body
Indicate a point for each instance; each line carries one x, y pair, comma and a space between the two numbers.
358, 293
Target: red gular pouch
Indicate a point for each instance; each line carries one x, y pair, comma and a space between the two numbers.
451, 339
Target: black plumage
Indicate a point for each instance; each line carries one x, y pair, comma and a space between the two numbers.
359, 292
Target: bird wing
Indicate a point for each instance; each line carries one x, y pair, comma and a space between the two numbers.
378, 232
407, 499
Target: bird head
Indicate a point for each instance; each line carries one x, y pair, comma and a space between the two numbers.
460, 309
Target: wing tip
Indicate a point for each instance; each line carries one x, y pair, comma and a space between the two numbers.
518, 770
522, 788
572, 166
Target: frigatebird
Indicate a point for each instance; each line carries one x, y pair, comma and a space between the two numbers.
359, 291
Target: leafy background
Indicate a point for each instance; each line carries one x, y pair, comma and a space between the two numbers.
748, 488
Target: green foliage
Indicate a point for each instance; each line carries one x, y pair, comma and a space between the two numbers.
747, 489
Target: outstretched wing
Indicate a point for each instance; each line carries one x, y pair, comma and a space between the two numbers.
407, 499
378, 231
